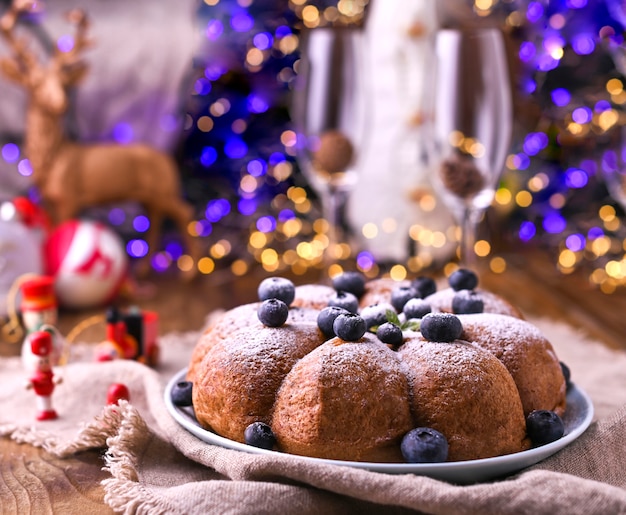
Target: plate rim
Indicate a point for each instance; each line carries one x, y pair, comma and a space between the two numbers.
450, 469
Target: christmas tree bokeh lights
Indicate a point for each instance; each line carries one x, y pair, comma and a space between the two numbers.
238, 162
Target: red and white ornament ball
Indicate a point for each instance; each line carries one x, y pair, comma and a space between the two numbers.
88, 262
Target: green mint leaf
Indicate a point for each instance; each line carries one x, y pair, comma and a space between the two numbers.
392, 317
413, 324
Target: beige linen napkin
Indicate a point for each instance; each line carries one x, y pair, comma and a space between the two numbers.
157, 466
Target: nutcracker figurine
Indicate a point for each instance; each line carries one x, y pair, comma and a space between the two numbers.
43, 380
39, 309
39, 303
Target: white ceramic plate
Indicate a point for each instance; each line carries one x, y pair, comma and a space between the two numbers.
577, 418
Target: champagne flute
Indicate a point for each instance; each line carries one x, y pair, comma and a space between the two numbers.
328, 113
469, 130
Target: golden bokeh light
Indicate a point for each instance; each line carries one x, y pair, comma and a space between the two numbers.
398, 273
497, 265
239, 267
206, 265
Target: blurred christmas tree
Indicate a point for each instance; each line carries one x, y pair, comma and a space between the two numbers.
571, 101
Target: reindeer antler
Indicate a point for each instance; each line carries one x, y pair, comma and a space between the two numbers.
24, 60
9, 19
79, 18
70, 62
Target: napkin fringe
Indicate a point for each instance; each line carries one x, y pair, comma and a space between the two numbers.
123, 491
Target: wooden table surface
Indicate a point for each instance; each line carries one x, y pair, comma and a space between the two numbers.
32, 477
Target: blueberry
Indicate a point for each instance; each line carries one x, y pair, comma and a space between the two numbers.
376, 314
424, 445
345, 300
259, 434
181, 393
390, 334
544, 426
326, 319
463, 279
349, 327
466, 302
273, 312
416, 308
441, 327
566, 374
353, 282
401, 295
424, 286
277, 288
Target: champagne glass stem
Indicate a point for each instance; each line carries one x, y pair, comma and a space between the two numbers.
333, 205
469, 227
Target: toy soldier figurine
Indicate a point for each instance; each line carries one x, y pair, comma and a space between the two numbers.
43, 380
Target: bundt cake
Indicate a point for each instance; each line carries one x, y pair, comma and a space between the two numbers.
376, 371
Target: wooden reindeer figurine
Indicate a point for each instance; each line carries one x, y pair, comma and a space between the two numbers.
71, 176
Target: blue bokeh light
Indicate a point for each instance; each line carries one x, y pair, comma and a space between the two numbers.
276, 158
117, 216
202, 86
365, 260
137, 248
256, 104
554, 223
174, 249
575, 242
582, 115
527, 51
242, 22
217, 209
546, 62
282, 31
24, 168
160, 262
561, 97
214, 30
576, 178
10, 152
247, 206
206, 228
583, 44
141, 223
263, 40
595, 233
286, 214
527, 231
535, 142
534, 12
235, 148
266, 224
65, 43
602, 105
256, 168
208, 156
123, 133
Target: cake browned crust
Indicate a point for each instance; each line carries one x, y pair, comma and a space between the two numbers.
236, 382
526, 353
467, 395
345, 401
